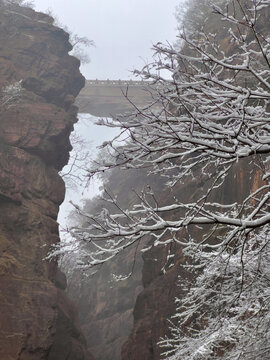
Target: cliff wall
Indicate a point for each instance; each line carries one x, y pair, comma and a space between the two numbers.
37, 321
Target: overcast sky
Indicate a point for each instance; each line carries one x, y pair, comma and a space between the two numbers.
123, 31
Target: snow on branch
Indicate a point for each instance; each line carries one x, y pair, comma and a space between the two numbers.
209, 118
206, 126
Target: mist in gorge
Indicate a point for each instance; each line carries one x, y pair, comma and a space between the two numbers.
134, 179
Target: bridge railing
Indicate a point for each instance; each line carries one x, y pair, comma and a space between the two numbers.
117, 82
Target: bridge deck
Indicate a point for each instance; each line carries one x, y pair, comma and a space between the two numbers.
106, 98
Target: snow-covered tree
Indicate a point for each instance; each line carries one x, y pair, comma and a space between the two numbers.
210, 117
209, 121
226, 311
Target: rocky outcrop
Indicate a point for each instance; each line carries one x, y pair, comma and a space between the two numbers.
37, 320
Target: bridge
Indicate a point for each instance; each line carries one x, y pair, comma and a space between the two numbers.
106, 98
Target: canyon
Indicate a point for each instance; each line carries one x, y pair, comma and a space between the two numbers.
44, 314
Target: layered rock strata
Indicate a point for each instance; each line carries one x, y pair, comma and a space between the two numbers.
37, 321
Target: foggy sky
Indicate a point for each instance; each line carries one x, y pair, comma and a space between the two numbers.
123, 31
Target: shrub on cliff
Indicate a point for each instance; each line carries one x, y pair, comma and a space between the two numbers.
11, 95
18, 2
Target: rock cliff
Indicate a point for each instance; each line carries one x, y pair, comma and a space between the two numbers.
37, 320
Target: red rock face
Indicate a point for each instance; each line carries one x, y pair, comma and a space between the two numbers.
154, 305
37, 321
